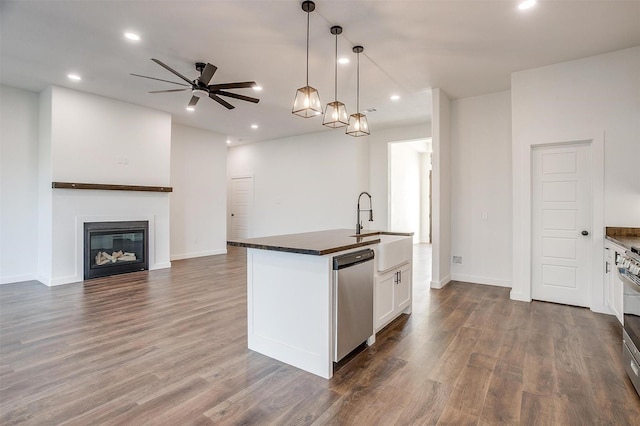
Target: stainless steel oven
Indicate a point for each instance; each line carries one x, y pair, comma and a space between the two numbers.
628, 266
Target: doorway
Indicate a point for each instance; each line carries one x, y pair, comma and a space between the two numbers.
241, 206
561, 223
410, 188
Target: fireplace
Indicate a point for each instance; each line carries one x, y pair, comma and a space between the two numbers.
112, 248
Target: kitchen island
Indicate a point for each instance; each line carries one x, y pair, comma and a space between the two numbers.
290, 294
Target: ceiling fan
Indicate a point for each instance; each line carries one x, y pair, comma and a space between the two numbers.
200, 87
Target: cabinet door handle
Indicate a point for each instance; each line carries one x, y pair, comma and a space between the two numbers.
399, 277
606, 267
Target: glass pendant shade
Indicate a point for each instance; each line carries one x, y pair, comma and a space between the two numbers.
358, 125
307, 102
335, 115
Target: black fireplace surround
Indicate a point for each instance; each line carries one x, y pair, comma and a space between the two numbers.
112, 248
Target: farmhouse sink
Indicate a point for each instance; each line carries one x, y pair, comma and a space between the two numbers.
393, 250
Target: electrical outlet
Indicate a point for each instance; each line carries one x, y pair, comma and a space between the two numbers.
457, 259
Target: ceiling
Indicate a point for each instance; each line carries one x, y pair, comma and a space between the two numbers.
466, 48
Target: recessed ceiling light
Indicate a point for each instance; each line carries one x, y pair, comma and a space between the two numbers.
190, 109
394, 97
74, 77
343, 61
132, 36
228, 141
257, 88
526, 4
254, 126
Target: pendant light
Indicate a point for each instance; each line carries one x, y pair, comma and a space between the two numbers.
335, 114
307, 102
358, 125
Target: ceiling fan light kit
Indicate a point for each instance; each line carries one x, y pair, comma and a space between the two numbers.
358, 125
335, 114
307, 101
199, 93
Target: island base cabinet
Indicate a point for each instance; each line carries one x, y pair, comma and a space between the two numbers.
385, 309
289, 307
393, 294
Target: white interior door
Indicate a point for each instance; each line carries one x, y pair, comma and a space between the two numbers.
561, 224
241, 204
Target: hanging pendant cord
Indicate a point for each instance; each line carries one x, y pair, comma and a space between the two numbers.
358, 87
336, 74
307, 49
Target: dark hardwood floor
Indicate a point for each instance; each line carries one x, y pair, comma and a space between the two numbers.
169, 347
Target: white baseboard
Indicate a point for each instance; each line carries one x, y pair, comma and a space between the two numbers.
603, 309
480, 280
513, 295
198, 254
442, 283
162, 265
64, 280
17, 278
44, 280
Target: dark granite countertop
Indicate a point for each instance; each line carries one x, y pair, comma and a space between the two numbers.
315, 243
625, 237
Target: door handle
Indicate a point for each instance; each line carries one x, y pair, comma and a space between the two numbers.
585, 233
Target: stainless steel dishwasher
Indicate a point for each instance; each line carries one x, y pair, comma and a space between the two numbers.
352, 301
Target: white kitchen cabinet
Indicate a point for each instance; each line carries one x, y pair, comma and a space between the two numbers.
393, 294
613, 283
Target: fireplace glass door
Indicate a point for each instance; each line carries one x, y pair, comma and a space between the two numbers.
115, 248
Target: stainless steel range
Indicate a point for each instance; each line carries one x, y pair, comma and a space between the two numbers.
628, 264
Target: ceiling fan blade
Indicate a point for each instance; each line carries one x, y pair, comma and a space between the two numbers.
168, 68
240, 85
207, 73
167, 91
159, 79
236, 96
194, 100
221, 101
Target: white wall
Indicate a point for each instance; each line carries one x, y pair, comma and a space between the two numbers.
481, 196
304, 183
596, 99
441, 186
379, 166
18, 184
425, 196
405, 185
45, 193
198, 201
99, 140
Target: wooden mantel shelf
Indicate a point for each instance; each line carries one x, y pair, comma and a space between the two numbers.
109, 187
